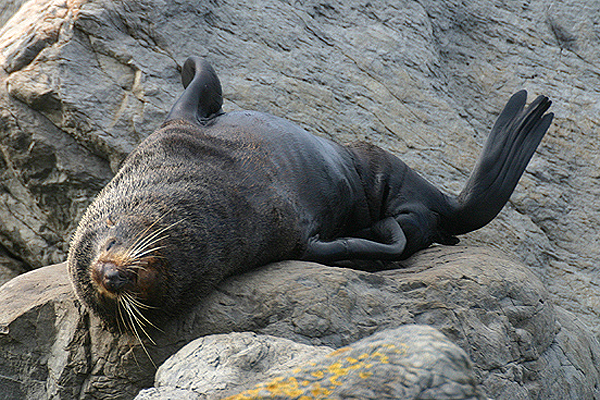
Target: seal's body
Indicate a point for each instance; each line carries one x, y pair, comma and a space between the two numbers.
211, 194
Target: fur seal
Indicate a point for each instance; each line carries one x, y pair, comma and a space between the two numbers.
212, 194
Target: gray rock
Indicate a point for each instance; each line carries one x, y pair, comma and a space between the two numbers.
9, 267
84, 82
221, 365
52, 349
8, 8
493, 308
410, 362
6, 273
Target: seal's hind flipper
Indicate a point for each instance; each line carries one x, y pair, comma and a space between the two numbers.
511, 144
202, 98
355, 248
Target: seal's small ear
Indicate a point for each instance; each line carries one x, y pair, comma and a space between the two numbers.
202, 98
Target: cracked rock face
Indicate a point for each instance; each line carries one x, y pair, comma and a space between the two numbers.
84, 81
410, 362
520, 345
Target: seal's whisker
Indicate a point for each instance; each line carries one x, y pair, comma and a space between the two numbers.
137, 265
143, 243
150, 241
135, 321
135, 314
137, 335
123, 311
136, 306
141, 237
144, 253
120, 319
145, 240
142, 319
138, 303
142, 234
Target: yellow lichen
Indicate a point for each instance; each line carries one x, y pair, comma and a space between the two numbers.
339, 351
318, 374
334, 381
319, 391
310, 386
382, 357
365, 375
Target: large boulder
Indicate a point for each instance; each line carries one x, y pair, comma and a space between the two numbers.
495, 309
409, 362
82, 82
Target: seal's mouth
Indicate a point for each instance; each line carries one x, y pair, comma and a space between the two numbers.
128, 292
112, 279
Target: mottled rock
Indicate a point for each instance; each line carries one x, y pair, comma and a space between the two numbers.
84, 81
51, 348
38, 327
493, 308
8, 8
410, 362
219, 365
6, 273
9, 267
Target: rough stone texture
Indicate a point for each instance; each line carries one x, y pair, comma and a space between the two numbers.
9, 267
410, 362
8, 8
82, 82
51, 350
6, 273
495, 309
219, 365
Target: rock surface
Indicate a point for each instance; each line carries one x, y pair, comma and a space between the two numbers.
82, 82
218, 365
410, 362
496, 310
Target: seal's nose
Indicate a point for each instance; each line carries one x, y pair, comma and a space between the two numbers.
114, 279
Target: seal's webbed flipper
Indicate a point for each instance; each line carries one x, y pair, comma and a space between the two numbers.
509, 147
391, 246
202, 98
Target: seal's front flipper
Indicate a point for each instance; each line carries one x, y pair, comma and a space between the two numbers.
352, 248
511, 144
203, 96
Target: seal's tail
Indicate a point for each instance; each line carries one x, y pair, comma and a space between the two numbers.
202, 98
511, 144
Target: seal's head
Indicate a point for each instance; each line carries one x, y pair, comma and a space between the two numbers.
150, 247
121, 269
190, 206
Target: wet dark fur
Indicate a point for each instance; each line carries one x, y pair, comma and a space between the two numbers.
223, 193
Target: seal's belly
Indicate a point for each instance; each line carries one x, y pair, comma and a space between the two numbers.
315, 175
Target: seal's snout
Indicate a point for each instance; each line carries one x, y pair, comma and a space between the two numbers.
112, 278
